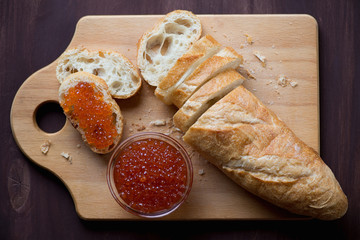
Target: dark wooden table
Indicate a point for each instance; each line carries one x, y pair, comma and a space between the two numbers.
34, 204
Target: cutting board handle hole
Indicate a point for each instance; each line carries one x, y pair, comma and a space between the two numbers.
49, 117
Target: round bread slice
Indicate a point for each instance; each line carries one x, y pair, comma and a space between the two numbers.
87, 103
115, 69
160, 47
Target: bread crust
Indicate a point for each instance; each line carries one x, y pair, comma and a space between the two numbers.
124, 83
205, 97
227, 58
101, 86
252, 146
205, 47
154, 79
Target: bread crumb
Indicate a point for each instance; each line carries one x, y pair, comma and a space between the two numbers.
249, 39
78, 146
158, 123
45, 147
273, 46
241, 46
243, 71
282, 80
293, 83
67, 157
141, 128
285, 81
201, 172
269, 82
260, 57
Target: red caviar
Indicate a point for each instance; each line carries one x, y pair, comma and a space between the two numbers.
87, 107
150, 175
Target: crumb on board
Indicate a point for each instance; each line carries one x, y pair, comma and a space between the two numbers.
249, 39
67, 157
293, 83
158, 123
285, 81
141, 128
260, 57
282, 80
201, 172
246, 73
78, 146
45, 147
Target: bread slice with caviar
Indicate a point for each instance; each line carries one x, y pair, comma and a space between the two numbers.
115, 69
160, 47
202, 49
205, 97
226, 58
253, 147
87, 103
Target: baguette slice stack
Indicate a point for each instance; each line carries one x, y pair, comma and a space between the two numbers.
202, 50
207, 95
230, 127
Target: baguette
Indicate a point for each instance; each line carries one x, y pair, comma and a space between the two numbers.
115, 69
252, 146
87, 103
160, 47
203, 49
205, 97
227, 58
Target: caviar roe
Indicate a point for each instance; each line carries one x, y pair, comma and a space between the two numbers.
86, 106
150, 175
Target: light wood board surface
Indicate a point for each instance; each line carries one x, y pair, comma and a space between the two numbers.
289, 43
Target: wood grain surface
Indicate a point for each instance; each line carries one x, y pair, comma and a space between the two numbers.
34, 204
288, 41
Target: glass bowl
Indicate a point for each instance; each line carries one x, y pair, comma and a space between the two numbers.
123, 148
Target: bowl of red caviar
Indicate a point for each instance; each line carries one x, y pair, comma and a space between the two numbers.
150, 174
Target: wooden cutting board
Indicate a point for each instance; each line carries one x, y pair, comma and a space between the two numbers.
290, 45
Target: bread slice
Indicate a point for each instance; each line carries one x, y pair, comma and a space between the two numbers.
227, 58
118, 72
160, 47
252, 146
87, 103
203, 49
205, 97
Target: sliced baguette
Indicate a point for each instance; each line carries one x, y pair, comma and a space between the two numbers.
227, 58
252, 146
203, 49
205, 97
113, 120
160, 47
115, 69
